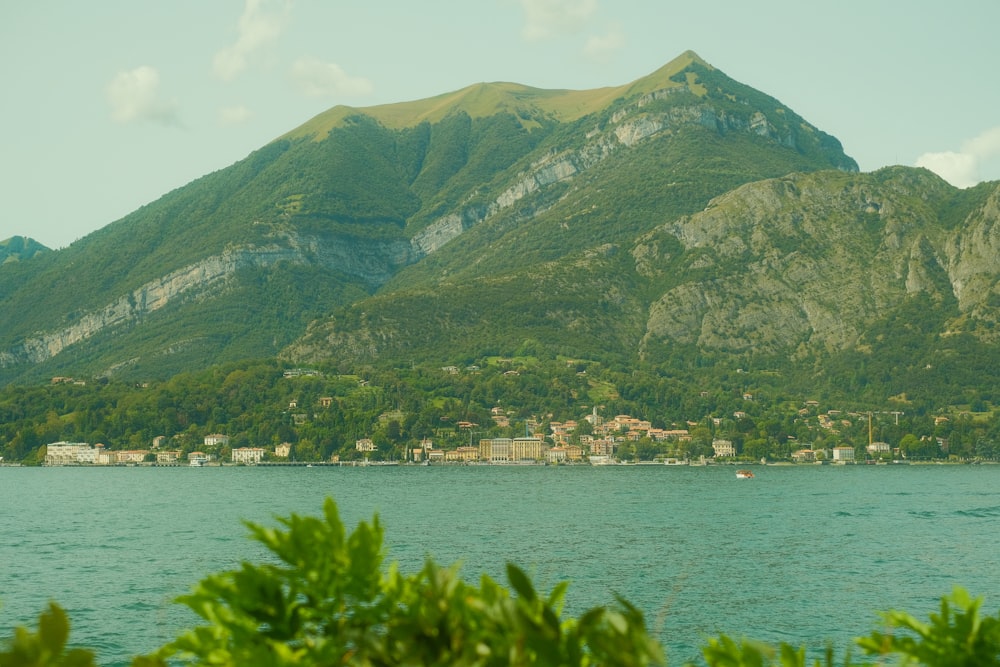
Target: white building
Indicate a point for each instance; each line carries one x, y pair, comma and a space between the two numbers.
556, 454
69, 453
877, 448
365, 445
723, 448
248, 454
843, 454
215, 439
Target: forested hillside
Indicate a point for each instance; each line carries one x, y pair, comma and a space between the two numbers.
322, 412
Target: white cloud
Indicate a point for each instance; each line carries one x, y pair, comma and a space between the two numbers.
961, 169
262, 22
986, 145
234, 115
547, 18
315, 78
134, 95
600, 48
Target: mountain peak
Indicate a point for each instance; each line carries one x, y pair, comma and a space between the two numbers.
20, 247
485, 99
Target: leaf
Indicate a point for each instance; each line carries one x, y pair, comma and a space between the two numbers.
520, 582
53, 628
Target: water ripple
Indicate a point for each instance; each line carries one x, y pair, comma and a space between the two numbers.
790, 556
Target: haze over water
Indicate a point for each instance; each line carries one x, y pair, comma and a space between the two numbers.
800, 554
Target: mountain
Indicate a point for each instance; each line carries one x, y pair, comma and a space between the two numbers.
17, 248
830, 270
681, 216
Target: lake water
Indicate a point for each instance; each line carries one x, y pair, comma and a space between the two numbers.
802, 554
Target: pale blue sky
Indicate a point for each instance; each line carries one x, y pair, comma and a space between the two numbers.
109, 104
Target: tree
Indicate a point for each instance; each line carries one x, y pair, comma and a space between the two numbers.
47, 647
917, 448
757, 448
327, 601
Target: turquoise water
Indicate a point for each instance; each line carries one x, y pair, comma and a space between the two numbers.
799, 554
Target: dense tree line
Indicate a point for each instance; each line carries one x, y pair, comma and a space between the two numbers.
322, 413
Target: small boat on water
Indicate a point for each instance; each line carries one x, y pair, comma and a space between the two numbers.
744, 474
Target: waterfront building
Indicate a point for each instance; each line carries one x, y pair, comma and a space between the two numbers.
496, 450
556, 454
877, 448
68, 453
248, 454
843, 454
131, 455
462, 454
804, 456
172, 456
723, 448
526, 449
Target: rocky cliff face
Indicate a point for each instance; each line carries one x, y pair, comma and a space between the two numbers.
807, 262
373, 262
626, 128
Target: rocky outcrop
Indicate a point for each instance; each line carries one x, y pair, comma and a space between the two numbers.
627, 127
812, 260
971, 257
373, 262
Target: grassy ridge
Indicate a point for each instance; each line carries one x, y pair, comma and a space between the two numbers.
482, 100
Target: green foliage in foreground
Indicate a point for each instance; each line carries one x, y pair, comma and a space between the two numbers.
326, 600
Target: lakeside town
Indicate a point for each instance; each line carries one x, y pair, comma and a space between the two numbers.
504, 412
602, 444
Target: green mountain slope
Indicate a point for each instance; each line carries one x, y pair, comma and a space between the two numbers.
827, 270
20, 247
494, 187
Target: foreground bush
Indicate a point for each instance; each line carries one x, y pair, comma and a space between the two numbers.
327, 600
